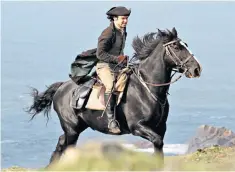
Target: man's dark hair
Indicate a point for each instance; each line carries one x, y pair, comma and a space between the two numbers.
111, 17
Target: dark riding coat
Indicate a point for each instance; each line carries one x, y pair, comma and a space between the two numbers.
111, 44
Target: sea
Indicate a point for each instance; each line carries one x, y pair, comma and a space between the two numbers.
40, 40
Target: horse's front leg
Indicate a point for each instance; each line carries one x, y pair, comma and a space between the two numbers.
151, 135
161, 130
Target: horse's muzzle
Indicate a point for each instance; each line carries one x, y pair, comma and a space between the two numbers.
193, 72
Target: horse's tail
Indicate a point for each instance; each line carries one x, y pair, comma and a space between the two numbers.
42, 101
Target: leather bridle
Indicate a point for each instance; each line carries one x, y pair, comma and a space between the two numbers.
173, 56
179, 63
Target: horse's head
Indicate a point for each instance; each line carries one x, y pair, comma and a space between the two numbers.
178, 54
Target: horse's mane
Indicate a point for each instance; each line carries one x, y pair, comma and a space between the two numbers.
143, 47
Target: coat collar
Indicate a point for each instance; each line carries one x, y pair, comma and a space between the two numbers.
112, 26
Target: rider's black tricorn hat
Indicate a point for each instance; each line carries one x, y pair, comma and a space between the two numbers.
119, 11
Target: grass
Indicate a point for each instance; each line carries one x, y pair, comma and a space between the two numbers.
92, 158
211, 159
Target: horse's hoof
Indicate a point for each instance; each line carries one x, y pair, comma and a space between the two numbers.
115, 130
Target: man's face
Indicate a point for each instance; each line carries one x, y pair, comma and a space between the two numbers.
121, 21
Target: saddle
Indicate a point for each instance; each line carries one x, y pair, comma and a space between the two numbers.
90, 94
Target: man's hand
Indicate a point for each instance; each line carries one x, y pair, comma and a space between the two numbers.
122, 59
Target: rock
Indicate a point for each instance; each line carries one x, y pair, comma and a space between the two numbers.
207, 136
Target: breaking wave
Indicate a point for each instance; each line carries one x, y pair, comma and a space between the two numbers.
168, 149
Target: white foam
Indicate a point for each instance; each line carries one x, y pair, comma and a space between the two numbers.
218, 117
7, 141
129, 146
178, 149
175, 148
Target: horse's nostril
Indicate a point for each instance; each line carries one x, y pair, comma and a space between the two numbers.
197, 72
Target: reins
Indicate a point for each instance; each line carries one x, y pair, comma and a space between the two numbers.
158, 85
173, 56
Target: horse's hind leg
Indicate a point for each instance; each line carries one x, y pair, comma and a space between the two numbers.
64, 141
59, 148
69, 138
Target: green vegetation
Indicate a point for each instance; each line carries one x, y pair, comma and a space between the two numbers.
95, 158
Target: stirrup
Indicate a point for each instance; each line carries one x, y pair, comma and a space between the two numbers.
113, 120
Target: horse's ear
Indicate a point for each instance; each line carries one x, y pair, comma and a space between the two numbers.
169, 32
174, 32
160, 32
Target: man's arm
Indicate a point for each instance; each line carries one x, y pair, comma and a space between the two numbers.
104, 45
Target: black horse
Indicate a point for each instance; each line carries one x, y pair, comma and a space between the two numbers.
144, 108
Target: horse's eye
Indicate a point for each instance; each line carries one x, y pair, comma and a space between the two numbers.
176, 46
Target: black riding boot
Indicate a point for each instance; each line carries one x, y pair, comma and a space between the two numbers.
112, 123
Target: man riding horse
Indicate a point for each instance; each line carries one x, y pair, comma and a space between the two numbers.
110, 48
146, 108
